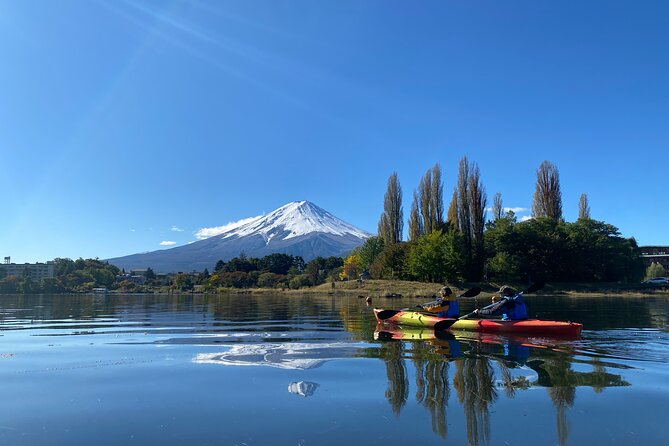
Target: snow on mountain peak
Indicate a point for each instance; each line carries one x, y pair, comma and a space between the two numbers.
296, 218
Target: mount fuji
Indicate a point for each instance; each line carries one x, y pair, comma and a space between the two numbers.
299, 228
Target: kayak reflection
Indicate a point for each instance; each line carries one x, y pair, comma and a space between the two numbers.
486, 367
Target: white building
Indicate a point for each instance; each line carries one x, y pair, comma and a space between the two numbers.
36, 271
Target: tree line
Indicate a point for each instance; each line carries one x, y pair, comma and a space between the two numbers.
70, 276
464, 246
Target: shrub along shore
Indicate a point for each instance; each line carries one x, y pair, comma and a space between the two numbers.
419, 290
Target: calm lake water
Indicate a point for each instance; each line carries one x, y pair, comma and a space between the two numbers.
277, 370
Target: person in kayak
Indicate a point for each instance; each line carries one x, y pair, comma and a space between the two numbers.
510, 305
446, 304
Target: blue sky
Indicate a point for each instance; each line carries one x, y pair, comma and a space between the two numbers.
127, 124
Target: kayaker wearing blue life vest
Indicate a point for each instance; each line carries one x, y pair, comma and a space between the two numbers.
446, 304
511, 306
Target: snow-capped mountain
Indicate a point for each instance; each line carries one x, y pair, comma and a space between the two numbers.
299, 228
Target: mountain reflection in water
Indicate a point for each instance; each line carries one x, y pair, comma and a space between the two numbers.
300, 356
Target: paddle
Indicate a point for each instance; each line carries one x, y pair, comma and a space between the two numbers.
530, 289
387, 314
469, 293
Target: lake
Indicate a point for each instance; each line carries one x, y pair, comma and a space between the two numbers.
287, 370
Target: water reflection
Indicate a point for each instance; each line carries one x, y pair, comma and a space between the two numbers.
484, 366
298, 356
302, 388
464, 383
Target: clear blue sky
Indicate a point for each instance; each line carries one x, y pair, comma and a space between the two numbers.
125, 123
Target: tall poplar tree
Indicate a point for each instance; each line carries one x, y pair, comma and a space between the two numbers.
464, 210
477, 204
415, 220
431, 200
497, 208
452, 215
391, 223
437, 197
471, 203
583, 207
425, 201
547, 200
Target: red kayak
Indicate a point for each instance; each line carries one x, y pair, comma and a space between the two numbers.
530, 326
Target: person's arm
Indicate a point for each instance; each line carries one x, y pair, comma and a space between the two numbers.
493, 309
436, 306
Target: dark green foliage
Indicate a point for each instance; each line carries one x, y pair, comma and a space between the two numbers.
241, 263
271, 280
391, 261
553, 250
370, 250
436, 257
279, 263
272, 271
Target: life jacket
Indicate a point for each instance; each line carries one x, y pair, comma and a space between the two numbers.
452, 311
517, 311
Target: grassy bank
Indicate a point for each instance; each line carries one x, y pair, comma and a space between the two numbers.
396, 288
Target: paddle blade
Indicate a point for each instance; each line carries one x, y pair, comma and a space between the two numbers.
445, 324
386, 314
471, 292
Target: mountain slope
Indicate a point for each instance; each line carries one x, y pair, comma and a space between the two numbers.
299, 228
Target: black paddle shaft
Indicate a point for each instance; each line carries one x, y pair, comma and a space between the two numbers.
530, 289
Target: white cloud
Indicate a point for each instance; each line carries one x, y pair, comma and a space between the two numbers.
210, 232
516, 210
526, 217
176, 229
167, 243
132, 230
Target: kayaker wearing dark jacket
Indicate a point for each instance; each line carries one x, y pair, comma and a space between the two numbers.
511, 306
446, 304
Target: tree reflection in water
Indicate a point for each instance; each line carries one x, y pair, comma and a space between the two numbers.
474, 377
398, 382
474, 382
432, 389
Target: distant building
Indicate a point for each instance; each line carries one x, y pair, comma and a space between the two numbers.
36, 271
655, 254
136, 279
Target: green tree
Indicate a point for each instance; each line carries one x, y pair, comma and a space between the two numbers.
390, 263
415, 220
352, 267
430, 201
547, 200
655, 270
435, 257
583, 207
497, 208
370, 250
270, 280
477, 206
391, 223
